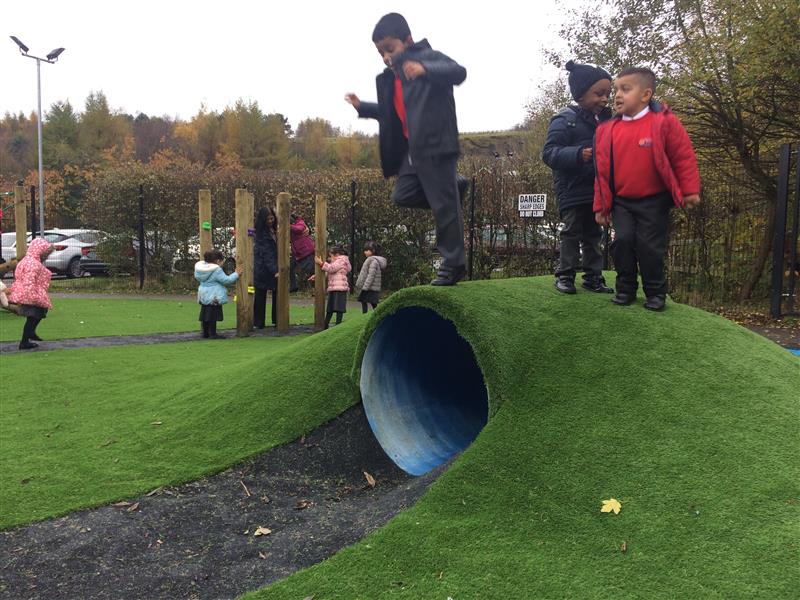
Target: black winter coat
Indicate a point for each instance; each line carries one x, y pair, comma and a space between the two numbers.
571, 130
430, 108
265, 262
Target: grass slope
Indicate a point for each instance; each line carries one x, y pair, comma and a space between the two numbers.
689, 420
89, 317
76, 427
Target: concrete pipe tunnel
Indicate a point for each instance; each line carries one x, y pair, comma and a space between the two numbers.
422, 389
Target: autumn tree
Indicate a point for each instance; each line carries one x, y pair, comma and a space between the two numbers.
101, 129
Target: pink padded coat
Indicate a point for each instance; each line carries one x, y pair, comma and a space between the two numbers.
32, 278
337, 273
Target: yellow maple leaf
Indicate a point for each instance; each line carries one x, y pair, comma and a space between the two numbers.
611, 505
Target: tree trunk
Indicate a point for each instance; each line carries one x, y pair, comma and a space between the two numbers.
757, 268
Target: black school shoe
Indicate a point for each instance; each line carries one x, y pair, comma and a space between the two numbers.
656, 303
565, 285
621, 299
447, 276
27, 345
597, 285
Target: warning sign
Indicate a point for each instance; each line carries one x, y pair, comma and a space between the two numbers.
532, 205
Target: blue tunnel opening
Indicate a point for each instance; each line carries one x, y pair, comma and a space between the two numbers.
422, 389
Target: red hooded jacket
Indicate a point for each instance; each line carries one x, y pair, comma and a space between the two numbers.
674, 158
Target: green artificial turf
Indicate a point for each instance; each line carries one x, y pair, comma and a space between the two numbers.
691, 421
90, 317
85, 427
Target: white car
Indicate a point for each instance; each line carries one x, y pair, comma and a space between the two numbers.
70, 246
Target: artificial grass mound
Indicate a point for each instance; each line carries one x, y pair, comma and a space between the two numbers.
689, 420
92, 426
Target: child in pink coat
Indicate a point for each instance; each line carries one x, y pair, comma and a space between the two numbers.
29, 290
338, 286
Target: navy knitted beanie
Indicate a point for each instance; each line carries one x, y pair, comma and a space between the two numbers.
582, 77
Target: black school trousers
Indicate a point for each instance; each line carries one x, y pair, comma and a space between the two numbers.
431, 183
641, 227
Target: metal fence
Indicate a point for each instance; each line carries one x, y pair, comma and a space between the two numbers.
712, 253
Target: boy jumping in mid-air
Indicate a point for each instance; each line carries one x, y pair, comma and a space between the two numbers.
418, 133
645, 166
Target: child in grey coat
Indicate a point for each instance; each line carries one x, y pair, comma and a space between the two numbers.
368, 284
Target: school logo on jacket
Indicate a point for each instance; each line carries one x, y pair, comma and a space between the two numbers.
646, 143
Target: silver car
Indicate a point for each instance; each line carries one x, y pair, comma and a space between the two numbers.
70, 246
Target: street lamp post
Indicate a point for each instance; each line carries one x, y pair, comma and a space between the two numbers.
51, 58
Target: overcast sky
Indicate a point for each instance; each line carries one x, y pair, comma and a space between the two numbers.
298, 58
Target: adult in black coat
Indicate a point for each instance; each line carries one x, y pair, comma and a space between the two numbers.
265, 265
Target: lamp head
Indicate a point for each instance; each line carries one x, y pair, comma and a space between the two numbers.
55, 54
22, 47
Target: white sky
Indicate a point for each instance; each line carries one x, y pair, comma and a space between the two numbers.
297, 58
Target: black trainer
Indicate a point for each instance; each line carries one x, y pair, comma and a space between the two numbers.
447, 276
656, 303
565, 285
27, 345
597, 285
621, 299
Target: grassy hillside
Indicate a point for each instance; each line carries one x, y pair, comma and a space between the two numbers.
687, 419
85, 427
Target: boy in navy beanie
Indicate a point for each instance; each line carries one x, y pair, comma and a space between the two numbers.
568, 151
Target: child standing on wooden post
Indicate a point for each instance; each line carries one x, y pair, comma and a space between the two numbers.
418, 134
338, 286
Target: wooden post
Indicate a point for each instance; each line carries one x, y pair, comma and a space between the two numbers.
204, 211
320, 249
284, 250
21, 220
244, 259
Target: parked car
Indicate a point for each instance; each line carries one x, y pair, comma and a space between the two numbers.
70, 246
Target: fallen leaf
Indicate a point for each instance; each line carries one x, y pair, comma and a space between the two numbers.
107, 443
133, 507
624, 547
246, 491
303, 504
121, 504
262, 556
157, 423
611, 505
309, 598
261, 531
154, 492
370, 479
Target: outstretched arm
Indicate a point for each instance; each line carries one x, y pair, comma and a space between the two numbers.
365, 110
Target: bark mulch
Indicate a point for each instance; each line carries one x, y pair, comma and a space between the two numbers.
199, 540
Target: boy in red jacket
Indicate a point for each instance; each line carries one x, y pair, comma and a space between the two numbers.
645, 165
